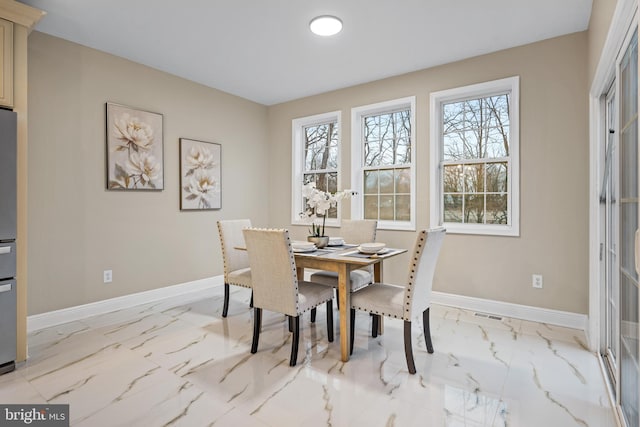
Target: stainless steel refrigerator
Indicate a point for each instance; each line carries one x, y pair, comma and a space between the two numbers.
8, 191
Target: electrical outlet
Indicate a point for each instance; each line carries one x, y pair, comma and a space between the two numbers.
536, 281
107, 276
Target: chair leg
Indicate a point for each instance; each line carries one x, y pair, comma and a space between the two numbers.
290, 323
375, 321
251, 302
408, 350
225, 304
257, 324
330, 320
313, 315
353, 329
427, 331
294, 341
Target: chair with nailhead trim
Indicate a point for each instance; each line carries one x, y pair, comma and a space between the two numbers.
276, 286
408, 301
354, 232
236, 261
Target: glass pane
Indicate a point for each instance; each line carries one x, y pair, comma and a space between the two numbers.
474, 178
386, 181
373, 153
628, 227
628, 159
403, 151
322, 181
476, 128
321, 146
403, 208
628, 205
387, 207
497, 142
496, 209
452, 208
629, 350
453, 179
387, 139
371, 207
629, 82
496, 177
474, 208
332, 182
372, 128
403, 180
370, 182
453, 146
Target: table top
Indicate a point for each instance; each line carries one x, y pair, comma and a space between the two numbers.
345, 254
349, 254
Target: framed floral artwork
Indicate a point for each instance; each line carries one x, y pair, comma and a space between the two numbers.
200, 187
135, 158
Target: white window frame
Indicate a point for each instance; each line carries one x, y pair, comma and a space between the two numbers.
437, 99
357, 158
298, 159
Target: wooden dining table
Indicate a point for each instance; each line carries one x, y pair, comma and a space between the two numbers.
342, 261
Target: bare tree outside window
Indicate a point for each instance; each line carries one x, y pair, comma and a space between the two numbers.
475, 136
387, 166
321, 159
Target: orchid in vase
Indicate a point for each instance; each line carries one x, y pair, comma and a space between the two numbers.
318, 204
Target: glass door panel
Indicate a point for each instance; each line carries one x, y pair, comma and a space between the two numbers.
628, 220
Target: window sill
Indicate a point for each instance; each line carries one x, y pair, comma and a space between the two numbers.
484, 230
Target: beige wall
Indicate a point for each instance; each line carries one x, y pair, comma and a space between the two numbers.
554, 173
77, 229
601, 14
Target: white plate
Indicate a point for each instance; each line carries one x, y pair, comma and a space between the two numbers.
372, 247
336, 243
373, 252
311, 249
302, 245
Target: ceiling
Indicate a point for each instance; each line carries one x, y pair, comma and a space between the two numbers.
263, 50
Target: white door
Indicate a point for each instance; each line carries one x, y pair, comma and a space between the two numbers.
629, 371
619, 200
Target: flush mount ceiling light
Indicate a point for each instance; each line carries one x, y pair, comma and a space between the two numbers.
325, 25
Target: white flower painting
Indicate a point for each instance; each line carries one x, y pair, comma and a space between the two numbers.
199, 175
134, 149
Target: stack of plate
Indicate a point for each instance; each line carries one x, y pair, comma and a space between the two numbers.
371, 248
300, 246
336, 241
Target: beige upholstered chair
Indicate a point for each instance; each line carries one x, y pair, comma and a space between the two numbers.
355, 232
276, 286
236, 261
405, 302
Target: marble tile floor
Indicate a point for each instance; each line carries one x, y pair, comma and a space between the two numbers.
178, 363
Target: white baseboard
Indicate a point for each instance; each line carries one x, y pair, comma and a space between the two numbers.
525, 312
535, 314
57, 317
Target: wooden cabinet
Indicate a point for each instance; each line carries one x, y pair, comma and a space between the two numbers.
6, 63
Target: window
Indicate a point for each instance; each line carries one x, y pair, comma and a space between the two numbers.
383, 170
316, 150
474, 158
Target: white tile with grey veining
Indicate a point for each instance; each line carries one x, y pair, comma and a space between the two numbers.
88, 347
561, 377
178, 362
15, 389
